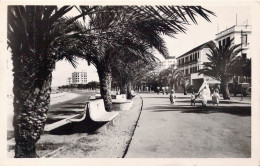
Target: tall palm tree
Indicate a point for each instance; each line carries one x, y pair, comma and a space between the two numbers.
170, 76
128, 69
37, 37
130, 27
222, 60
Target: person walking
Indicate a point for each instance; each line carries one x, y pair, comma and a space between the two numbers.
215, 97
203, 97
193, 98
166, 90
204, 93
172, 97
163, 90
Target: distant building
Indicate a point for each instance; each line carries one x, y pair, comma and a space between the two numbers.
168, 62
79, 77
69, 81
240, 34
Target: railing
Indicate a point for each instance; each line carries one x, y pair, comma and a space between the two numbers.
235, 28
188, 62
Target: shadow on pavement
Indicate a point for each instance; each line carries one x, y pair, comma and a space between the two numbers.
62, 112
75, 107
234, 110
188, 97
221, 102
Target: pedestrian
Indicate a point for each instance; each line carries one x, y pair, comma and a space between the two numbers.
163, 90
172, 97
215, 97
158, 90
204, 97
193, 98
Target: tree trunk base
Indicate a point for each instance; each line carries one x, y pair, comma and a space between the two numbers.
25, 150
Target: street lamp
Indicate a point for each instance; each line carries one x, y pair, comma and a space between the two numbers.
241, 79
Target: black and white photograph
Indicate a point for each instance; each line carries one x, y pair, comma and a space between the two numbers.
146, 84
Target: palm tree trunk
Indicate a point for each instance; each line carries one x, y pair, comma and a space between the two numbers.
105, 78
123, 88
225, 90
129, 94
32, 88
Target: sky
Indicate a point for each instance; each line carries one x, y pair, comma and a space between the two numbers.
194, 36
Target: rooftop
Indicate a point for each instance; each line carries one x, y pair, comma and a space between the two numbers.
170, 57
196, 48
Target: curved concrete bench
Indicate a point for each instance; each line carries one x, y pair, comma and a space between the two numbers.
98, 113
94, 117
73, 118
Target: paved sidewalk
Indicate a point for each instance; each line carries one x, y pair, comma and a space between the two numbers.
184, 131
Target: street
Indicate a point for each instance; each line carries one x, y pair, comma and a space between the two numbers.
185, 131
67, 108
59, 110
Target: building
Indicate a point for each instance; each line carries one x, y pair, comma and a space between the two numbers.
79, 77
166, 63
192, 61
69, 81
239, 34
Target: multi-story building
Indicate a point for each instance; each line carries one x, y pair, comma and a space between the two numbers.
69, 81
168, 62
191, 62
79, 77
239, 34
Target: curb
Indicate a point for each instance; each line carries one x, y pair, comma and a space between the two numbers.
127, 147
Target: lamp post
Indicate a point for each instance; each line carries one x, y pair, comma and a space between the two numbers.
242, 35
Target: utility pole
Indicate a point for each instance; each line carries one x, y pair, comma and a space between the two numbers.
241, 57
236, 19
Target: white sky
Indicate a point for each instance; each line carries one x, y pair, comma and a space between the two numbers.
195, 35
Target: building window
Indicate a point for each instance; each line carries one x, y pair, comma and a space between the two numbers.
219, 43
244, 55
224, 42
244, 39
228, 40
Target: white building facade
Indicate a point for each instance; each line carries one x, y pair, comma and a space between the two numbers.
192, 61
69, 81
241, 34
168, 62
79, 78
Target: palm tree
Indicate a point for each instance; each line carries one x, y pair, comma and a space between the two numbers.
222, 60
128, 69
38, 37
170, 76
132, 28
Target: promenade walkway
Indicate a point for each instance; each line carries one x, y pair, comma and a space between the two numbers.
184, 131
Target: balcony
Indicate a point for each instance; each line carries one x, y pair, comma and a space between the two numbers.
235, 28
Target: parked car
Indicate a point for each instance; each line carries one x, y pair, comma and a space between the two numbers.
241, 88
248, 91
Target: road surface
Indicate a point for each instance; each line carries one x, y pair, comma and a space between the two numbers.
184, 131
